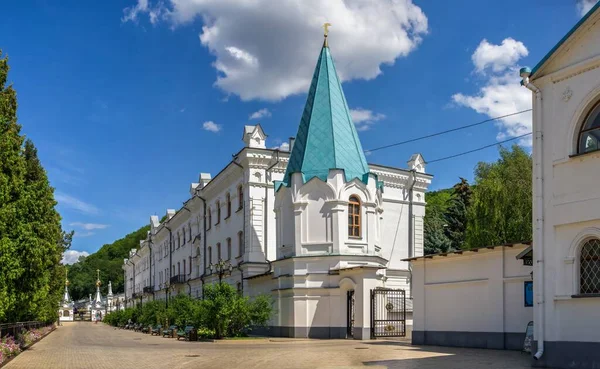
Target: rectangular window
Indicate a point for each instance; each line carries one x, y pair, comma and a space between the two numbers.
218, 252
240, 197
218, 212
228, 205
229, 249
241, 246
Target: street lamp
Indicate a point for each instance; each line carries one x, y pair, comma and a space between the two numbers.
223, 268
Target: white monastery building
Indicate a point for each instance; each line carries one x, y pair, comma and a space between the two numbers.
317, 228
472, 298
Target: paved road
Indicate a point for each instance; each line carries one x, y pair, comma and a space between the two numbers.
89, 346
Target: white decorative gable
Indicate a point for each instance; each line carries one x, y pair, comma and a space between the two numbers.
254, 137
417, 163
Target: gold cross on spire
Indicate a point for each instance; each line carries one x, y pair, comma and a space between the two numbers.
326, 29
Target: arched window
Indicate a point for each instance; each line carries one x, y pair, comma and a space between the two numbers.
229, 249
218, 212
353, 216
210, 255
228, 197
209, 219
218, 251
241, 247
589, 136
178, 240
589, 267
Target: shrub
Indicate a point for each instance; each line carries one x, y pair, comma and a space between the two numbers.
229, 314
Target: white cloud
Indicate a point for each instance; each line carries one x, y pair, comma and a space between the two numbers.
88, 226
262, 113
211, 126
498, 57
267, 49
131, 13
364, 118
71, 256
584, 6
74, 203
284, 146
502, 95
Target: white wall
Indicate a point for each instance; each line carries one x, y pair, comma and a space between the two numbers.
570, 86
474, 292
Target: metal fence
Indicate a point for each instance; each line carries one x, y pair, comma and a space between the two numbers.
388, 313
15, 329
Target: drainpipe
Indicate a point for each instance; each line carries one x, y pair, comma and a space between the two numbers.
243, 219
411, 251
150, 272
170, 260
410, 230
267, 205
204, 243
191, 249
538, 235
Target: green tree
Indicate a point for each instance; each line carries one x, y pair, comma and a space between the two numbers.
501, 203
31, 237
436, 240
456, 214
12, 182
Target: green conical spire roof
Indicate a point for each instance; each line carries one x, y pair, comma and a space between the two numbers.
326, 138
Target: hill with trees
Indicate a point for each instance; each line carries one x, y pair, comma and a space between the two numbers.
109, 260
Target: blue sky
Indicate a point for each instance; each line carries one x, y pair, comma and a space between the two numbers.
128, 101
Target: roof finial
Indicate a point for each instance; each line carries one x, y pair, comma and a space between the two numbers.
66, 277
326, 28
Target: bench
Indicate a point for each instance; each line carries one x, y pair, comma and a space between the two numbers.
185, 333
169, 332
156, 330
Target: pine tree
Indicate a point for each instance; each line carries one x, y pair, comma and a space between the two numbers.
456, 214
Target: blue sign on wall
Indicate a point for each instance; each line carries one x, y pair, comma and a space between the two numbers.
528, 293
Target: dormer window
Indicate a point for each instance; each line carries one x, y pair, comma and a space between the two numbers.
589, 136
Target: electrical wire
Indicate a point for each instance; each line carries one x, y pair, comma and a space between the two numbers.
478, 149
447, 131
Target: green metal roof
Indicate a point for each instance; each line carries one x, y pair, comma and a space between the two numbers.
326, 138
564, 39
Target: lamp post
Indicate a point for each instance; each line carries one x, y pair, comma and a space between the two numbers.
222, 268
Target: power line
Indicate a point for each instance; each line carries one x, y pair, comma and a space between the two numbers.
478, 149
447, 131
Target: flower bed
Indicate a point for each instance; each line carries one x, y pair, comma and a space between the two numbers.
11, 347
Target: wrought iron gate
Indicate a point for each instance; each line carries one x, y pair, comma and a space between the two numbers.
350, 314
388, 313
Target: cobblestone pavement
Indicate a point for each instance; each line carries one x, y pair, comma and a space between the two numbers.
91, 346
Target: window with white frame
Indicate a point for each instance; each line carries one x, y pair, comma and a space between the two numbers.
589, 135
